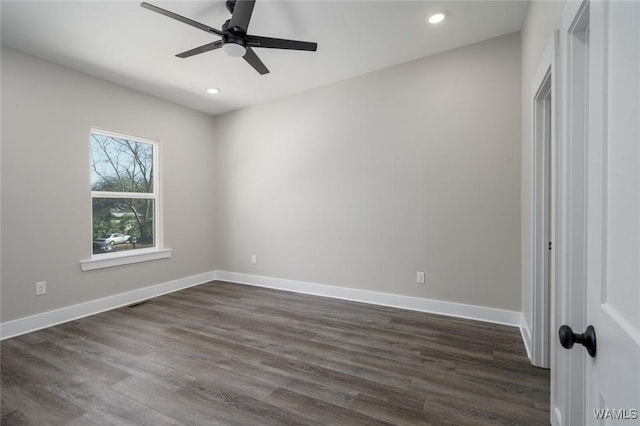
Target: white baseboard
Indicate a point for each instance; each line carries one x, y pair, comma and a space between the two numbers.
525, 331
459, 310
58, 316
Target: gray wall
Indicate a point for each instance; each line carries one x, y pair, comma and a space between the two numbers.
358, 184
543, 17
364, 182
47, 111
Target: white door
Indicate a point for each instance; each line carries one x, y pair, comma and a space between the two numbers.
600, 198
613, 213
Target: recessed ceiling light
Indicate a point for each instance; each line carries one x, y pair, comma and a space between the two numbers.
213, 91
435, 18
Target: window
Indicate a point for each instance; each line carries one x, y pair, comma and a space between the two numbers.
124, 197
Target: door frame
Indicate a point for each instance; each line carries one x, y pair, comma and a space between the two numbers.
543, 146
568, 367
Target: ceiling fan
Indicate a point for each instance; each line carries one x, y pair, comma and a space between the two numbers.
235, 40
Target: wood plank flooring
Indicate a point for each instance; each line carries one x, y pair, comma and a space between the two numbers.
228, 354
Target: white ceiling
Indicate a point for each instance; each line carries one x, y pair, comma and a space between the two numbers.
134, 47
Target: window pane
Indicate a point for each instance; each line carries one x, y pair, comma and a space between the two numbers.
121, 165
122, 224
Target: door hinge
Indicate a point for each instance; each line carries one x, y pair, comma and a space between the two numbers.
549, 245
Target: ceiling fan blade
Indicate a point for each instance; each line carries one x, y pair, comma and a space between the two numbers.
279, 43
242, 14
255, 62
205, 48
182, 19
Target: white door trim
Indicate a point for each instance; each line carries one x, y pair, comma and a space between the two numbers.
543, 96
568, 367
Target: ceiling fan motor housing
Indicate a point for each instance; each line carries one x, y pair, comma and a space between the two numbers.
233, 36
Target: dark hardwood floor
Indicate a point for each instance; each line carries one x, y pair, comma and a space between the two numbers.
223, 353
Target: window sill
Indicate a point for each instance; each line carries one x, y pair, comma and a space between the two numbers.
109, 261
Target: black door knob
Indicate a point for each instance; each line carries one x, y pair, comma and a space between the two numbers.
586, 339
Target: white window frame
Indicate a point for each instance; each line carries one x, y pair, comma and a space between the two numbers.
106, 260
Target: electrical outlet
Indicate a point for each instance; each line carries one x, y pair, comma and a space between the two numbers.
41, 288
254, 259
420, 277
